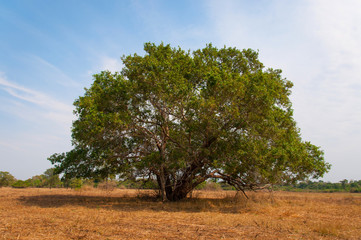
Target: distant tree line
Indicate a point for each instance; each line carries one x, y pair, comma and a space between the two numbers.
50, 180
321, 186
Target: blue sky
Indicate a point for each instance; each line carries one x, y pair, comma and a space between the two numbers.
50, 49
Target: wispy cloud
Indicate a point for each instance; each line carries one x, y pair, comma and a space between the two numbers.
40, 126
32, 96
56, 75
45, 105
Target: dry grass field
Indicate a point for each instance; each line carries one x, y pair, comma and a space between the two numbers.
133, 214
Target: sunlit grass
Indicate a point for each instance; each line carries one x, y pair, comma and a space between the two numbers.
137, 214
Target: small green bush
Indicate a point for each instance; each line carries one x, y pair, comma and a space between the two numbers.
21, 184
76, 183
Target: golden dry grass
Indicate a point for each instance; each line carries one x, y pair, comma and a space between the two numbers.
133, 214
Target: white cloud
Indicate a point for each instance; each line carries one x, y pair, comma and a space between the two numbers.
111, 64
105, 63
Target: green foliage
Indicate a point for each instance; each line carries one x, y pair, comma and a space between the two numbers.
183, 117
76, 183
6, 179
51, 179
48, 179
21, 184
209, 186
37, 181
320, 186
201, 186
138, 184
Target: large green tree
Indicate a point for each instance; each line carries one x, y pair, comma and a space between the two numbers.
183, 117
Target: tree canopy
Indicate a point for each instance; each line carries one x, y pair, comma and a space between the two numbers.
183, 117
6, 179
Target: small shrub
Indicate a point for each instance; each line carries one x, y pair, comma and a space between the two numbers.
149, 184
201, 186
20, 184
76, 183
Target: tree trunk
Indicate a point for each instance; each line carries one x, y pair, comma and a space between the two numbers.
174, 191
178, 195
179, 192
161, 183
